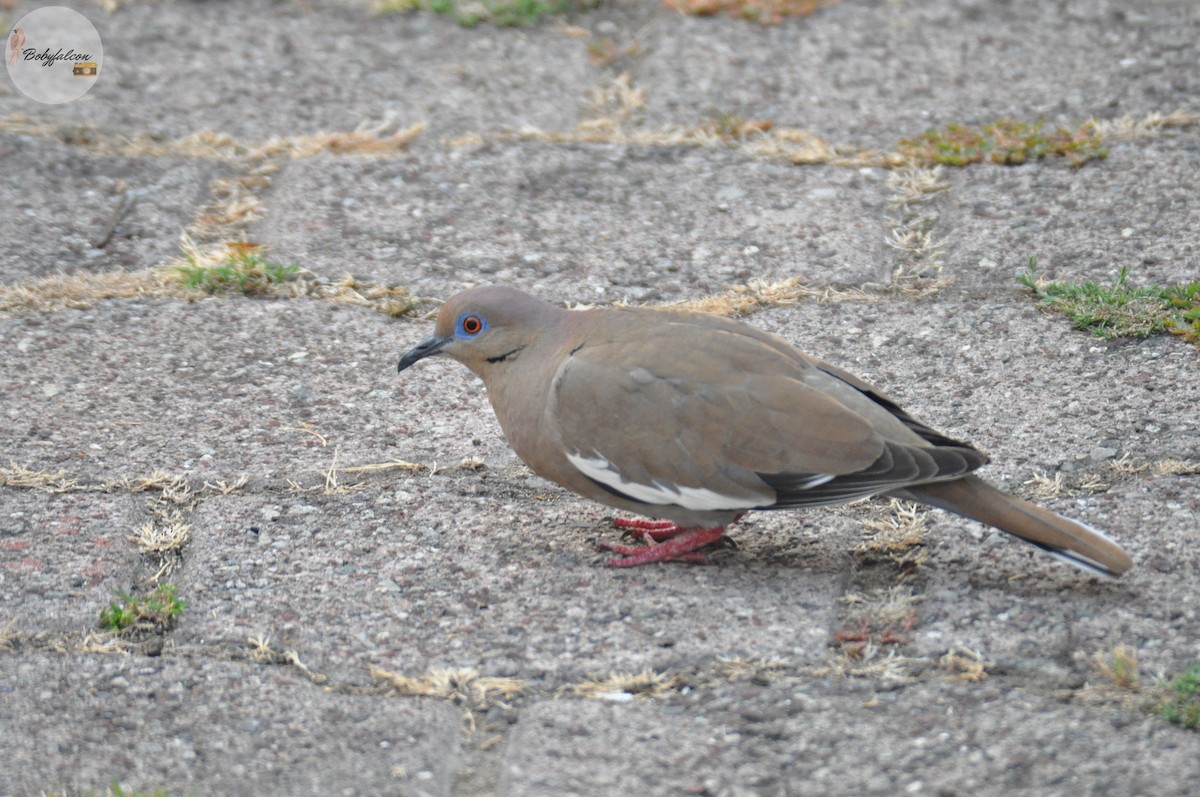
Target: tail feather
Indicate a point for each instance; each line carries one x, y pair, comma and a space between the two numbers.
1069, 540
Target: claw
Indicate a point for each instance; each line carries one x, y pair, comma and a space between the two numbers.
682, 546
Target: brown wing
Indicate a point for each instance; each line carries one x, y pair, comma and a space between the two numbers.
718, 410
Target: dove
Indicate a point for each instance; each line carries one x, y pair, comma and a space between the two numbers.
692, 420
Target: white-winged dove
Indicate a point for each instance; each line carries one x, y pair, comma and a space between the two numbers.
697, 419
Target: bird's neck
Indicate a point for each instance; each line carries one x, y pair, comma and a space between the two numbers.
519, 390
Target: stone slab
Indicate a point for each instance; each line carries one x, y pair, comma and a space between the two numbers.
496, 574
220, 389
1139, 209
840, 738
62, 557
288, 79
591, 223
1029, 616
70, 211
78, 723
870, 74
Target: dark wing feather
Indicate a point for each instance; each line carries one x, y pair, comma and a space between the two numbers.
898, 465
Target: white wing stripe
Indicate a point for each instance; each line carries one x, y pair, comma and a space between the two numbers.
693, 498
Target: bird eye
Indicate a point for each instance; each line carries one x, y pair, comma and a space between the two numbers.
471, 325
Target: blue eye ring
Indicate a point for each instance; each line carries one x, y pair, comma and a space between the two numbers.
469, 325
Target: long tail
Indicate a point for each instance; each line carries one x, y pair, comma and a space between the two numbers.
1069, 540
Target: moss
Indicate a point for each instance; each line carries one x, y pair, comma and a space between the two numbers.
1006, 142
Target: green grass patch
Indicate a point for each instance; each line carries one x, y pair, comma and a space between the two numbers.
1006, 141
764, 12
501, 13
1181, 703
1118, 309
244, 271
115, 790
158, 609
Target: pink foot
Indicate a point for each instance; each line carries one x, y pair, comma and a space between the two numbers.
657, 530
681, 547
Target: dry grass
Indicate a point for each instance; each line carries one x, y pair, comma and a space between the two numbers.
225, 488
47, 294
171, 487
167, 534
163, 537
889, 668
369, 138
382, 138
898, 537
757, 294
911, 184
81, 290
92, 642
391, 300
874, 620
259, 647
792, 145
753, 669
624, 686
332, 483
887, 607
383, 467
233, 204
1127, 466
965, 664
1043, 487
764, 12
45, 481
919, 261
1127, 128
464, 687
10, 637
1119, 666
613, 115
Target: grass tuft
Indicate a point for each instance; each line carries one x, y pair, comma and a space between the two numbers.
461, 686
156, 609
897, 537
965, 664
19, 476
1119, 310
245, 270
1006, 142
620, 687
1120, 666
1182, 702
1127, 466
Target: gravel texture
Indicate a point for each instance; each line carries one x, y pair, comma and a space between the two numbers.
803, 660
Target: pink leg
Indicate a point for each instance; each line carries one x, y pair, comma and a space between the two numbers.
682, 547
657, 530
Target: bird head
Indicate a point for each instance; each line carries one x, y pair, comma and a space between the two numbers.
485, 327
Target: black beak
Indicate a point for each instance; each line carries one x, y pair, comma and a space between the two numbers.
425, 348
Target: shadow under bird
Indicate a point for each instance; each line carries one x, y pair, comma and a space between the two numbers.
695, 419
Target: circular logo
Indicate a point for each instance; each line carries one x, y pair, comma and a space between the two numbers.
53, 55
